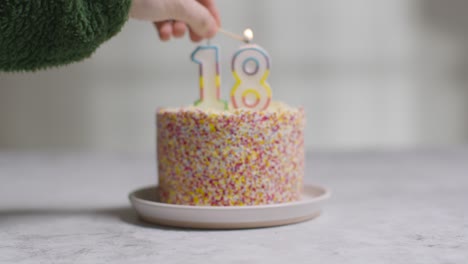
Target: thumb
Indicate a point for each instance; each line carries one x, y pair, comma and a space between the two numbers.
197, 16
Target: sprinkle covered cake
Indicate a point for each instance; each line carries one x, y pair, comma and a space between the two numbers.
233, 157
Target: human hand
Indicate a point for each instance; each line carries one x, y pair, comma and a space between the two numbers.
175, 17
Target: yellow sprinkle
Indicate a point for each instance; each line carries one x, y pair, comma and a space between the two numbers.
212, 128
253, 155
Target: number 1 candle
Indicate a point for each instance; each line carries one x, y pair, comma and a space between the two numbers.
207, 58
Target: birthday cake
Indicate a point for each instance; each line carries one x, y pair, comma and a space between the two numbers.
248, 152
235, 157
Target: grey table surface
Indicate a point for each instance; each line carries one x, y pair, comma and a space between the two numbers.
387, 207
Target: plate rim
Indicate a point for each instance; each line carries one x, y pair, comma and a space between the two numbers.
324, 196
203, 225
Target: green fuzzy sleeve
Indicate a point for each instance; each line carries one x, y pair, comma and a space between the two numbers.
37, 34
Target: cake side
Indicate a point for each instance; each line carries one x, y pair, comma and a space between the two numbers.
235, 157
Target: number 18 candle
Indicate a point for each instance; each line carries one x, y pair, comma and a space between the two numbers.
207, 58
250, 67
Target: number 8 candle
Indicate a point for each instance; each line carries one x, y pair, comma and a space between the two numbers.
210, 92
250, 67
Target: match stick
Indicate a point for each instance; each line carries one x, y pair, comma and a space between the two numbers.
233, 35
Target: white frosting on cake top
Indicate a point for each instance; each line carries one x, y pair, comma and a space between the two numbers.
275, 107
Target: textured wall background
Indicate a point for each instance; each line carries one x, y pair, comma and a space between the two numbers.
371, 74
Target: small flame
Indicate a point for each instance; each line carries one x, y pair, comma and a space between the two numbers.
248, 34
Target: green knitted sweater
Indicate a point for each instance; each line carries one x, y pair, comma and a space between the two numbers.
37, 34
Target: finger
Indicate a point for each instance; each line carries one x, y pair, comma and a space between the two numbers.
194, 37
164, 29
178, 29
211, 6
197, 16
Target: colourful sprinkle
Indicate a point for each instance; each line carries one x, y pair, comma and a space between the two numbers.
235, 157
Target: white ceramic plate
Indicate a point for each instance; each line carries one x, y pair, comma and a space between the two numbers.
145, 201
